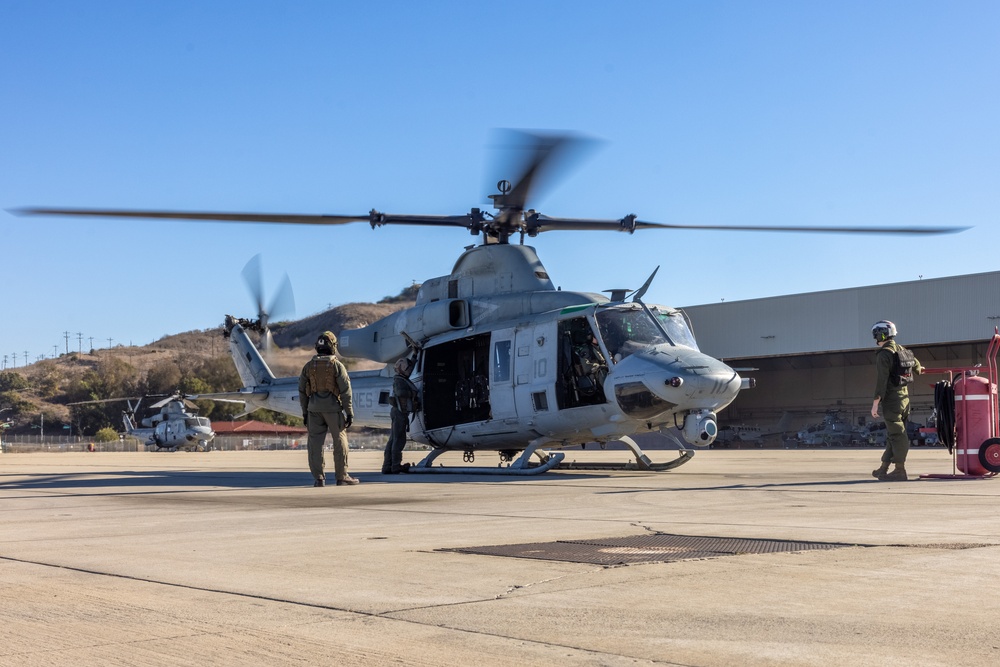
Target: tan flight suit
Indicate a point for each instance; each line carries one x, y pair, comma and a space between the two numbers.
325, 394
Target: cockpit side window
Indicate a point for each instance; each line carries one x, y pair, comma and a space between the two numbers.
676, 325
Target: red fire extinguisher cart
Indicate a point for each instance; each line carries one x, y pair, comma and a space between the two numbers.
968, 419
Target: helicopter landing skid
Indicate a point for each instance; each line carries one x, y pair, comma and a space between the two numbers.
642, 462
521, 466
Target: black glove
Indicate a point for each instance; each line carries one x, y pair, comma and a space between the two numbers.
348, 420
305, 418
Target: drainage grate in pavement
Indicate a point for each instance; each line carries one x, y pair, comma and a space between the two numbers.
655, 548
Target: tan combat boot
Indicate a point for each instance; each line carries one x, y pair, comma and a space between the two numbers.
880, 473
898, 474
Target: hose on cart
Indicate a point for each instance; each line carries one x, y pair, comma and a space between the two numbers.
944, 409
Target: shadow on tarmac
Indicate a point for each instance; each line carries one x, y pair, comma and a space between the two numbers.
771, 485
207, 480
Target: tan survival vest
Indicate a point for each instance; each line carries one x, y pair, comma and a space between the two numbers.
321, 375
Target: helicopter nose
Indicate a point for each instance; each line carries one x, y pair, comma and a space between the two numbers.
699, 383
664, 382
700, 388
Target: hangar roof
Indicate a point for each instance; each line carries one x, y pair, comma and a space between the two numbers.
955, 309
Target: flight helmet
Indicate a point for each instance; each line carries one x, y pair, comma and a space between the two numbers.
883, 330
326, 343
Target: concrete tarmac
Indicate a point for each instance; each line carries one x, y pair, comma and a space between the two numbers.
233, 558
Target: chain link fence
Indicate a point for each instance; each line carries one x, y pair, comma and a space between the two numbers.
15, 444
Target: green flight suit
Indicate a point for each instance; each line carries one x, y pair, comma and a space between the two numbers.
403, 402
895, 402
325, 396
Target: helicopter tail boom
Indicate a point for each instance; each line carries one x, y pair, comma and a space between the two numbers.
250, 365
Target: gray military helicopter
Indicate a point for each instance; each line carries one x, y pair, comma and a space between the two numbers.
833, 430
174, 427
505, 361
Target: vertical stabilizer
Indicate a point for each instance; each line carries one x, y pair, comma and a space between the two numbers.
250, 365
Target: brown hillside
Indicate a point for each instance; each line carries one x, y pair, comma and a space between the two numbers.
49, 378
303, 333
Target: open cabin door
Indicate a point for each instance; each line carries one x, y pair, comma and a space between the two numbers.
456, 382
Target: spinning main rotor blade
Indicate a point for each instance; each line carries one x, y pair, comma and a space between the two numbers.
107, 400
536, 223
533, 223
543, 150
174, 397
374, 218
828, 230
193, 215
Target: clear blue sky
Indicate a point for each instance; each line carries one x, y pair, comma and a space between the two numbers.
734, 113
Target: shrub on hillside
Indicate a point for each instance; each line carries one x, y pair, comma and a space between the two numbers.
106, 435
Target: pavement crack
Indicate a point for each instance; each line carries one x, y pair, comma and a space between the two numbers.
524, 587
385, 615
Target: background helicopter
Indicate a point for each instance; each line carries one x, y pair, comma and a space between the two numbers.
175, 426
504, 360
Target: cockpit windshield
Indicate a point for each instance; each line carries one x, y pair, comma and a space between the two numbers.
628, 329
676, 326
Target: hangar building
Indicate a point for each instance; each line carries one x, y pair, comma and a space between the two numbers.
813, 353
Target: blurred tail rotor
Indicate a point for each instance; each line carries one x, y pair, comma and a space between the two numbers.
282, 304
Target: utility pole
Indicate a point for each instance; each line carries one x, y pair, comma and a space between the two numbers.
13, 360
66, 336
109, 343
55, 351
25, 357
91, 342
79, 338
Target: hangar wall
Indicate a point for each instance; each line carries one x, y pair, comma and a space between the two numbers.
808, 386
813, 352
938, 310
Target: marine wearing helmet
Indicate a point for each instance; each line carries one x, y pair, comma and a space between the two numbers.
883, 330
895, 368
325, 397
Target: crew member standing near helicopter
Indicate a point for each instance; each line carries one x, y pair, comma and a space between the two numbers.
895, 367
403, 401
325, 396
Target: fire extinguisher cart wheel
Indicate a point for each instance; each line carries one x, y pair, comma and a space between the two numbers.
989, 455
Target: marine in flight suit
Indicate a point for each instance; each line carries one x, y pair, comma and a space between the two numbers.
325, 397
